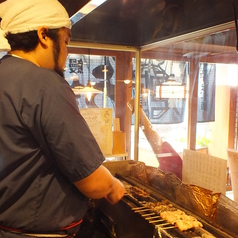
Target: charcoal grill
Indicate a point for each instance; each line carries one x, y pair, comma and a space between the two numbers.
130, 218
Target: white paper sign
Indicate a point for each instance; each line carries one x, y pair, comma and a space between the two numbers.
204, 170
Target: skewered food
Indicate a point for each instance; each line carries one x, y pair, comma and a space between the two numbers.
165, 209
158, 207
137, 192
180, 219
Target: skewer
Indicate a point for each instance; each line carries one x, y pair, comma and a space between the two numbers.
138, 208
168, 227
142, 210
147, 215
149, 218
156, 221
164, 224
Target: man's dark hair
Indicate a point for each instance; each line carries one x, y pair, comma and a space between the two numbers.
28, 41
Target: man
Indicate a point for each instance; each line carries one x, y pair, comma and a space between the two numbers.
49, 161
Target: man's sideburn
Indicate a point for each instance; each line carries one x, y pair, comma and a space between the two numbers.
56, 54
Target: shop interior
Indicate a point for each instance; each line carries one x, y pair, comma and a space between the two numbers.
168, 71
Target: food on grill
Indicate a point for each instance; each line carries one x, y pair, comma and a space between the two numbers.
180, 219
212, 209
137, 192
165, 209
158, 207
173, 215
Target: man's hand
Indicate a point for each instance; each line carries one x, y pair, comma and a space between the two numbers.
101, 184
116, 193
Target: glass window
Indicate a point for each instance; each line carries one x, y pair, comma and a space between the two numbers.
188, 96
88, 70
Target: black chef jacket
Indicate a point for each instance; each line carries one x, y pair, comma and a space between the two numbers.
45, 146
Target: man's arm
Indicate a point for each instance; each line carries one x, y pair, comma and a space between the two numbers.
101, 184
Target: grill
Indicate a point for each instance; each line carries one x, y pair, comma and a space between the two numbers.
133, 218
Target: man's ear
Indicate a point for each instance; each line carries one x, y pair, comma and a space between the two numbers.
42, 33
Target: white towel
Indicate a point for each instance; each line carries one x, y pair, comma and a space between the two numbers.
20, 16
4, 46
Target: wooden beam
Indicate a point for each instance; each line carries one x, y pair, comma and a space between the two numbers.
192, 103
123, 94
232, 119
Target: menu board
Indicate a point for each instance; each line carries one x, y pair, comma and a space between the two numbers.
204, 170
99, 121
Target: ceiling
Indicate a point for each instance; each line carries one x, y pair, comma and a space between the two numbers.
141, 22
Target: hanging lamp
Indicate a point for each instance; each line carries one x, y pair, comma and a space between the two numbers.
89, 89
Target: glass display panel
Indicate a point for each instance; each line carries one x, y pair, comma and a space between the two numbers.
88, 70
189, 96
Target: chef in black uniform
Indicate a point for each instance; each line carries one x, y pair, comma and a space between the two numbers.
50, 163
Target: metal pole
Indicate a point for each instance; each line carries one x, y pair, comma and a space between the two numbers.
137, 105
105, 86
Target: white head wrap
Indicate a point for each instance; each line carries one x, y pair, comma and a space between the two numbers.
20, 16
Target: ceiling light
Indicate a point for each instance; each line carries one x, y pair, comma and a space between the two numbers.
88, 90
127, 81
89, 7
